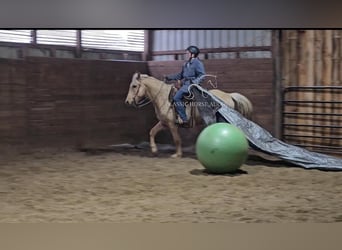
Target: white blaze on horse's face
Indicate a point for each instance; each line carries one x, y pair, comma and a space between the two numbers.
136, 91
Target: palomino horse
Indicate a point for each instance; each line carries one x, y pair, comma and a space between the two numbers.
144, 87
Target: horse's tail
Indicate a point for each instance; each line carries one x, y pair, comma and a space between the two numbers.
243, 105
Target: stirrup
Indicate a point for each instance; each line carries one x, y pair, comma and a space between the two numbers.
179, 122
185, 125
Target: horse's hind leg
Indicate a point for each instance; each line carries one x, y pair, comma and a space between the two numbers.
158, 127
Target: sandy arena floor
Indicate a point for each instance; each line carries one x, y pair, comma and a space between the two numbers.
54, 185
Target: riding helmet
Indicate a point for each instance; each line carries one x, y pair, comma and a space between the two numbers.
193, 50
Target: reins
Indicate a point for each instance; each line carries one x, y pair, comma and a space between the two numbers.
141, 103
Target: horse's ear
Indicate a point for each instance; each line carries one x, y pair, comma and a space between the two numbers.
138, 75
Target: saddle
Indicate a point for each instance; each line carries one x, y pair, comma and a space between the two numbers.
189, 108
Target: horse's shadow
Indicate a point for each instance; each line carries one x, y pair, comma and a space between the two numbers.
142, 149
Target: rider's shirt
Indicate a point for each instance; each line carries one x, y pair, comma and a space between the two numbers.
192, 71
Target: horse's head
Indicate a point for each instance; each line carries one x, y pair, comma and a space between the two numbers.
136, 95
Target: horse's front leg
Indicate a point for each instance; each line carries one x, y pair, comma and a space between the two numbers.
153, 132
177, 140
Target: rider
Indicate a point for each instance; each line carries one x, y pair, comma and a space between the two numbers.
192, 72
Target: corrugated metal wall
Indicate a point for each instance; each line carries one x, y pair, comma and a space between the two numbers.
168, 40
92, 44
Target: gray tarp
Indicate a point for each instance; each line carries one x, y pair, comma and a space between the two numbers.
213, 110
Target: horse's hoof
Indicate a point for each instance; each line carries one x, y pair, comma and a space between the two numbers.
176, 156
154, 153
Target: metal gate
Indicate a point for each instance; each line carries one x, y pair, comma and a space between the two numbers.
312, 118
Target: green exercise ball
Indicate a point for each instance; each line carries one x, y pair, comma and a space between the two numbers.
221, 148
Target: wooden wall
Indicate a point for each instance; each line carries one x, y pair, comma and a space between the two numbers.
50, 101
311, 57
74, 101
311, 75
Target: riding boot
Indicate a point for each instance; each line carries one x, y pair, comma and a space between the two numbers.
180, 105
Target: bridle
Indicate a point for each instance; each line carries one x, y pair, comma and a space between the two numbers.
142, 102
146, 100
